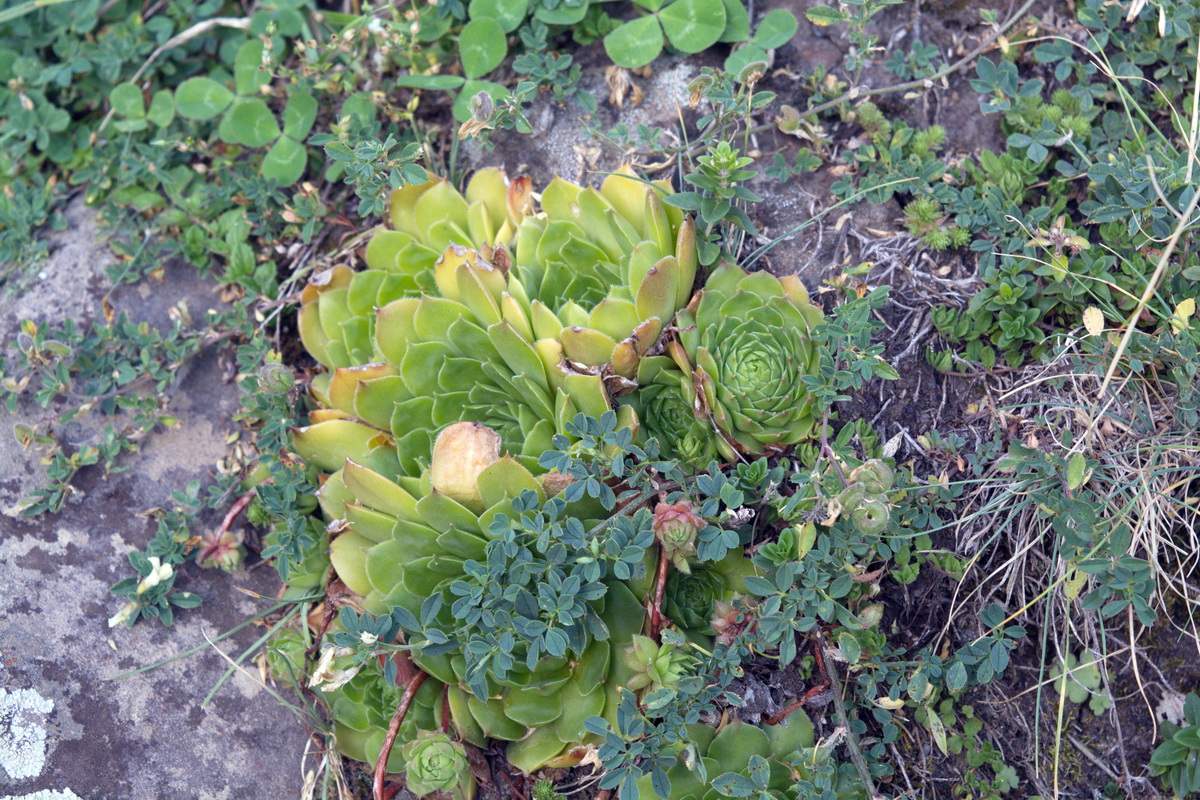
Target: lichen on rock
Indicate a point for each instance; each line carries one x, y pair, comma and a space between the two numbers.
22, 738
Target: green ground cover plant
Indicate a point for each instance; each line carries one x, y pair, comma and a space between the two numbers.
559, 478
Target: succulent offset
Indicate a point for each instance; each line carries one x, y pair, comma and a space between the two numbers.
434, 763
360, 702
744, 347
693, 598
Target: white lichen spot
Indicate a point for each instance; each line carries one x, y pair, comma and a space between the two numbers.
46, 794
22, 738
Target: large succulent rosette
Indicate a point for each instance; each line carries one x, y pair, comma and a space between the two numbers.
337, 312
787, 748
520, 340
401, 540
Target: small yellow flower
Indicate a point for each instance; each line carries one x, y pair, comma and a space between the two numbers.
123, 615
159, 572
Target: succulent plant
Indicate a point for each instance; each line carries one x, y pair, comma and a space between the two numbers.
675, 527
312, 567
542, 711
466, 356
514, 325
437, 764
733, 749
337, 314
656, 666
362, 709
744, 347
605, 271
691, 598
401, 537
360, 701
665, 411
404, 539
599, 273
479, 329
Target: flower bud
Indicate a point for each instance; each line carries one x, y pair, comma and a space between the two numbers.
461, 452
481, 107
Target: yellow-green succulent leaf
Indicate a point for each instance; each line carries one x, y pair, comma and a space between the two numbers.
587, 346
348, 554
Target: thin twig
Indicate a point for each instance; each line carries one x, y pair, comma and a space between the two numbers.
856, 752
394, 728
1144, 300
200, 28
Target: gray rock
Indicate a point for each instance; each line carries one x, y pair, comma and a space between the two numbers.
65, 727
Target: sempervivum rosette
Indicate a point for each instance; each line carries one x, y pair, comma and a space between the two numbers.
745, 346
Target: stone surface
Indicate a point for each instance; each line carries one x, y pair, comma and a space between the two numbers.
66, 729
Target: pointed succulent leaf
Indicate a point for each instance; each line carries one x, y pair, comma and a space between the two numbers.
370, 524
614, 317
536, 750
627, 194
328, 444
348, 553
517, 314
586, 346
402, 207
506, 479
657, 225
395, 328
375, 491
440, 204
490, 187
656, 295
345, 382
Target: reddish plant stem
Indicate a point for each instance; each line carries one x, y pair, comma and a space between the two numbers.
237, 508
446, 710
660, 591
406, 700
